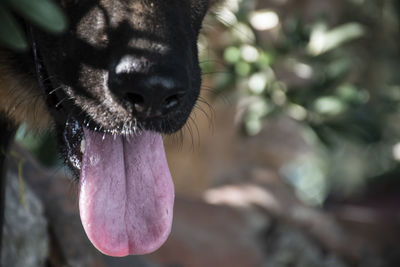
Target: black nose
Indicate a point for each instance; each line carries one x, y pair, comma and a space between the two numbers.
154, 96
150, 94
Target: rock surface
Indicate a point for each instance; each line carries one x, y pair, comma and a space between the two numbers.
25, 237
60, 241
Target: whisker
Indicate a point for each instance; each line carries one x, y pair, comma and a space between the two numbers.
62, 100
197, 130
48, 78
210, 119
210, 107
189, 128
55, 89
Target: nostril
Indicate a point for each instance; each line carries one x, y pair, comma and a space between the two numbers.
137, 100
171, 102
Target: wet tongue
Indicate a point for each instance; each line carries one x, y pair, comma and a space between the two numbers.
126, 193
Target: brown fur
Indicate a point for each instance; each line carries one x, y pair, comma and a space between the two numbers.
20, 97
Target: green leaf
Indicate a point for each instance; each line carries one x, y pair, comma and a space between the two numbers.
323, 40
11, 34
232, 54
329, 105
242, 68
44, 13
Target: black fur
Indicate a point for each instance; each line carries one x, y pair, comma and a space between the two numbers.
122, 66
155, 38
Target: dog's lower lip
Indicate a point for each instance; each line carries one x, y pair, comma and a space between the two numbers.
76, 144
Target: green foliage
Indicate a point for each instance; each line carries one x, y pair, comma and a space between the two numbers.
42, 13
11, 34
336, 75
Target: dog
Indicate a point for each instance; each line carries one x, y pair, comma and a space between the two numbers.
124, 73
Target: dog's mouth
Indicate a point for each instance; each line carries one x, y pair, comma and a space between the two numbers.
126, 192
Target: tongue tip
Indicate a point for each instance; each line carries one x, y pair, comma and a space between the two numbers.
126, 250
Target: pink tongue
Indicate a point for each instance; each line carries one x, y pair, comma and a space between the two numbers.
126, 193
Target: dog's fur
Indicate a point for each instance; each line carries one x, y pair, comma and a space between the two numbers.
20, 97
69, 80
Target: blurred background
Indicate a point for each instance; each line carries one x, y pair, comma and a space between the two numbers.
291, 157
